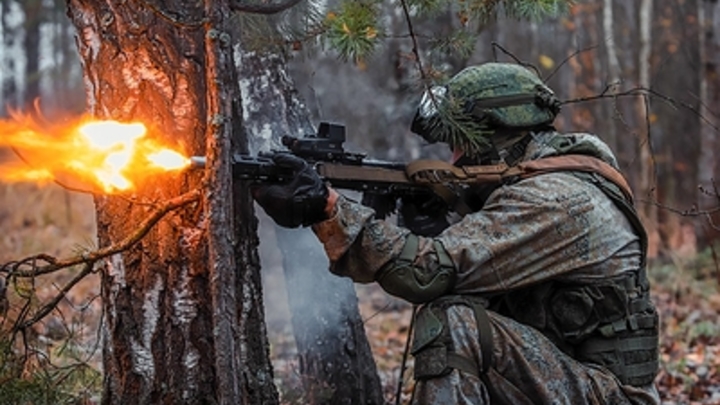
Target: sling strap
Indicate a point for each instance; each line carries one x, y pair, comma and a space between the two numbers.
441, 176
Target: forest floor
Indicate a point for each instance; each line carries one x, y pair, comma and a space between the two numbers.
688, 302
61, 223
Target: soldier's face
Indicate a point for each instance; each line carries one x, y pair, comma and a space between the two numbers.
458, 154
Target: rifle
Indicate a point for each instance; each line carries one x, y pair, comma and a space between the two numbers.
381, 182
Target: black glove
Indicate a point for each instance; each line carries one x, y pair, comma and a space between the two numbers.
301, 201
423, 215
383, 204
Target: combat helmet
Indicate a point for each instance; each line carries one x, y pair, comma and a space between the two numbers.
481, 100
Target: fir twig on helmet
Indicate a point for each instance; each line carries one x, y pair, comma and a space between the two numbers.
445, 117
479, 101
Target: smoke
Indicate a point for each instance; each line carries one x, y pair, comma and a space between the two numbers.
298, 287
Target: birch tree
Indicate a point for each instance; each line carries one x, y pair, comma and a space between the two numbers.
182, 303
336, 363
613, 69
183, 310
12, 43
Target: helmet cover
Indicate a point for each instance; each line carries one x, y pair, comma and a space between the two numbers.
477, 101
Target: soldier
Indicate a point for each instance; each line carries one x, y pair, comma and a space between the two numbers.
538, 294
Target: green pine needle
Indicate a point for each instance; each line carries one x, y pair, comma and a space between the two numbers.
354, 30
535, 10
460, 43
451, 125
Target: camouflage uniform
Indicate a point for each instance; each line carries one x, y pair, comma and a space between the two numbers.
532, 239
538, 294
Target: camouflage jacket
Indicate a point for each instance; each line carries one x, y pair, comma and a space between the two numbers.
554, 226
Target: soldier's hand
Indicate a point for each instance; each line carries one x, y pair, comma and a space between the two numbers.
383, 204
424, 216
301, 201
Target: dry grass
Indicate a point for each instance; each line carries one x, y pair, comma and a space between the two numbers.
47, 219
59, 356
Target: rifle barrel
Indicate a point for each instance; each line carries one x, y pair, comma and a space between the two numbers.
197, 162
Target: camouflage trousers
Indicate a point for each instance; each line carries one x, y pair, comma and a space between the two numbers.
528, 369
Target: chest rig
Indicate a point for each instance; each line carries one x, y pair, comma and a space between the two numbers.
611, 323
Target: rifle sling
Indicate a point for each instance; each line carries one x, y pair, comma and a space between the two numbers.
440, 174
580, 163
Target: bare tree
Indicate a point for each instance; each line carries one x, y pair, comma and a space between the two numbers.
613, 69
647, 183
709, 44
34, 11
11, 42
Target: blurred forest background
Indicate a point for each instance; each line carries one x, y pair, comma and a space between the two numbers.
643, 75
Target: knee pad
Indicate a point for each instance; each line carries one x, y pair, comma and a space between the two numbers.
432, 344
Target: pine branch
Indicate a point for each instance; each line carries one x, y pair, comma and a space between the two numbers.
354, 29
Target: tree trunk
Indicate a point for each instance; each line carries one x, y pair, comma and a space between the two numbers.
648, 181
10, 43
709, 47
336, 362
613, 73
183, 312
34, 14
63, 82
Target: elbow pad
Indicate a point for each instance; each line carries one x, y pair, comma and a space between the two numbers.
404, 279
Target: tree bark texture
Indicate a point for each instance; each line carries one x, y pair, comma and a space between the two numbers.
336, 362
11, 33
34, 16
183, 314
709, 46
648, 180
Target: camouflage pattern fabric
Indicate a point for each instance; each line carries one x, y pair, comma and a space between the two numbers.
503, 79
528, 369
466, 111
550, 227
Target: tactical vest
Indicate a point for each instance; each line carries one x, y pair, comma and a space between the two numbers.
611, 323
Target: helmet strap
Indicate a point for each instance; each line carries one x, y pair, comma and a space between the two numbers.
510, 148
506, 148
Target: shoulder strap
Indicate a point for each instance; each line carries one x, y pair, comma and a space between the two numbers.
440, 176
576, 163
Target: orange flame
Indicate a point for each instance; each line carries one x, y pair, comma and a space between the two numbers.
105, 155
